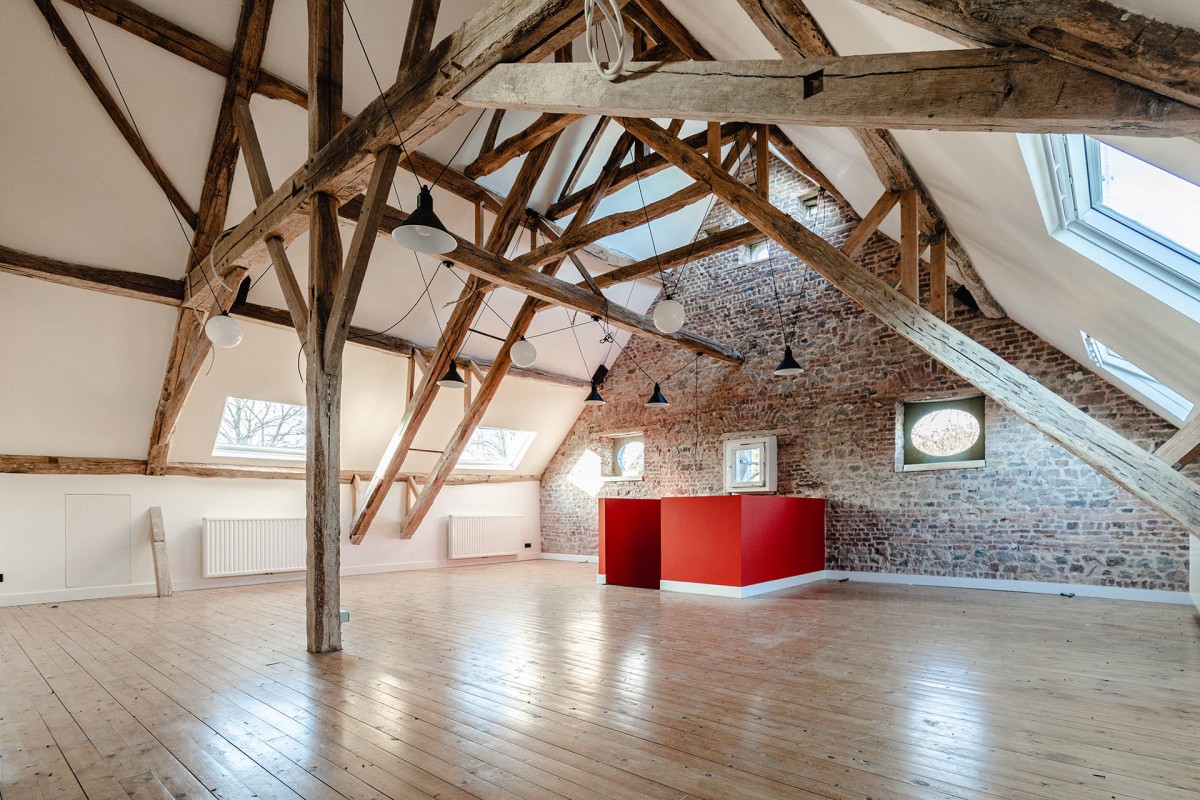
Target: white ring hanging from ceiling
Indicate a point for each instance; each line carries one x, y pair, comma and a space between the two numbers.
612, 18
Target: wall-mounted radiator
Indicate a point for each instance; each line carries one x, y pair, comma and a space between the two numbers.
252, 546
479, 537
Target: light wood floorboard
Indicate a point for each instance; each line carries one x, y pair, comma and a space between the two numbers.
529, 681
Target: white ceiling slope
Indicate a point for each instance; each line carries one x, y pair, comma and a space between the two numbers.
73, 190
981, 184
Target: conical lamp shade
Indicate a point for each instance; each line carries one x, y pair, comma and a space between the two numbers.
593, 398
789, 365
656, 400
423, 231
452, 380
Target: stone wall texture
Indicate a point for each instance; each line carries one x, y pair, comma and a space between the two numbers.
1035, 512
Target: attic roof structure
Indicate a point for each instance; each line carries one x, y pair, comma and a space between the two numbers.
174, 162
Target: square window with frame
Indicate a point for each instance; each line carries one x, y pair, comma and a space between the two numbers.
261, 429
496, 449
949, 433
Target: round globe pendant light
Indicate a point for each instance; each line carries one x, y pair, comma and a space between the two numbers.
593, 398
668, 315
523, 353
789, 365
452, 380
423, 231
223, 330
656, 399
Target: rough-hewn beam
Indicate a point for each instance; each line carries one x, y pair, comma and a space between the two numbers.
1098, 35
870, 223
1134, 469
640, 168
205, 292
1184, 447
801, 163
115, 112
795, 34
519, 144
1003, 89
136, 285
77, 465
676, 33
422, 20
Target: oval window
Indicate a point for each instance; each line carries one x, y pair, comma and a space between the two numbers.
631, 458
946, 432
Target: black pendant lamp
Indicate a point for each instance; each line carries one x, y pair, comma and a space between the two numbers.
452, 380
789, 365
656, 399
423, 231
593, 398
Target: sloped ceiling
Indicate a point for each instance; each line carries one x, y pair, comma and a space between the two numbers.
73, 190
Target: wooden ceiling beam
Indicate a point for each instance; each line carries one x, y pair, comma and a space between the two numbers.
519, 144
1184, 447
1158, 56
422, 21
204, 292
719, 242
649, 164
675, 32
124, 125
1128, 465
577, 236
795, 34
1018, 90
801, 163
870, 223
470, 301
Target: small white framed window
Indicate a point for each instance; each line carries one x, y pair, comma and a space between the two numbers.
1141, 382
750, 464
757, 251
629, 456
261, 429
496, 448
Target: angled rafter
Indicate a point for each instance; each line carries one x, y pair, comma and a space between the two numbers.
1001, 89
1098, 35
189, 346
802, 164
135, 285
702, 248
676, 33
1129, 466
457, 328
870, 223
260, 182
643, 167
1184, 447
519, 144
422, 20
794, 33
114, 111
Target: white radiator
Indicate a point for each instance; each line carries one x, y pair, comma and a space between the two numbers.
479, 537
253, 546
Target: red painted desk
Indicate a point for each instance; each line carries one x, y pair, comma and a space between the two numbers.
733, 546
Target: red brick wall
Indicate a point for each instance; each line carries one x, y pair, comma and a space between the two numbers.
1035, 512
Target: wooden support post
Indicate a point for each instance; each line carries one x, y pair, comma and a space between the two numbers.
1184, 447
714, 142
158, 547
323, 377
479, 234
910, 246
410, 386
1131, 467
762, 161
937, 276
422, 19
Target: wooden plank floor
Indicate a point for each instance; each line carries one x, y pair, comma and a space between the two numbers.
529, 681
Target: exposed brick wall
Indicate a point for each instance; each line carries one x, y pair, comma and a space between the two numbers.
1034, 513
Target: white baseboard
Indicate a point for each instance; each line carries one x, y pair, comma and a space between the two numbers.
602, 580
999, 585
741, 592
571, 557
85, 593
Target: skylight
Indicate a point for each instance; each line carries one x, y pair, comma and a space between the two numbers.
1137, 378
496, 448
261, 429
1150, 200
1127, 215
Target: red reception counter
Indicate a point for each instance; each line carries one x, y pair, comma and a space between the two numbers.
732, 546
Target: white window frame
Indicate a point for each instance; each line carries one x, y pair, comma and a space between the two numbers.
510, 466
1176, 406
1064, 177
228, 450
768, 446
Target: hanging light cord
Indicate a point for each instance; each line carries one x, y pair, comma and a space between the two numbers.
612, 20
159, 178
653, 246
